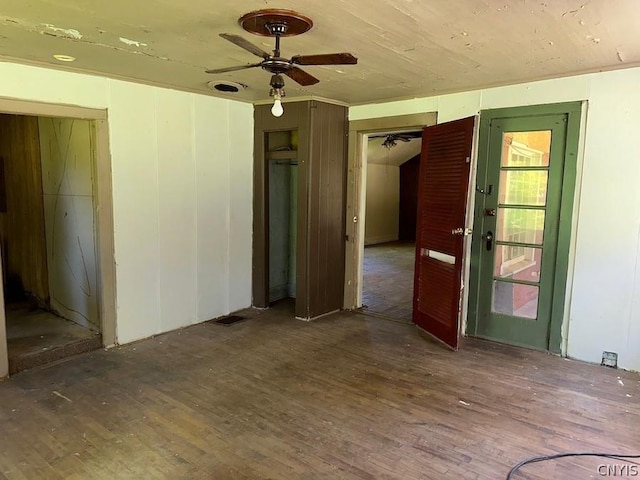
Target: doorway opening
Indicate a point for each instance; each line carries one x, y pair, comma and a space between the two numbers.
391, 185
57, 280
359, 133
527, 171
282, 213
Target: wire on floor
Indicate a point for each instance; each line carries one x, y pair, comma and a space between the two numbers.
543, 458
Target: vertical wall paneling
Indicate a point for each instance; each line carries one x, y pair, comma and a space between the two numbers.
260, 245
212, 186
68, 155
327, 207
130, 171
241, 212
303, 206
177, 207
22, 229
134, 153
321, 196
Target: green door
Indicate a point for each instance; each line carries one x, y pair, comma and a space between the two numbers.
526, 177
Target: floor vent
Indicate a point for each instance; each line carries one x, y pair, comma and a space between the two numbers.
609, 359
229, 320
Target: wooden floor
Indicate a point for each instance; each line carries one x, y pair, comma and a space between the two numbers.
37, 337
387, 283
344, 397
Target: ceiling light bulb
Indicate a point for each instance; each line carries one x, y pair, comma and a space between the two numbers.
277, 109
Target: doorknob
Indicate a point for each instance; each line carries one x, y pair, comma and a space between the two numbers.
489, 239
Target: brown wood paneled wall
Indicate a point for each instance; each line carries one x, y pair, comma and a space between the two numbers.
320, 248
327, 208
295, 117
22, 230
408, 199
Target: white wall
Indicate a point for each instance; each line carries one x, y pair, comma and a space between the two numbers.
382, 204
67, 150
604, 290
182, 194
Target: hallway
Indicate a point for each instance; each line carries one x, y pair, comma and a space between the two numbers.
387, 288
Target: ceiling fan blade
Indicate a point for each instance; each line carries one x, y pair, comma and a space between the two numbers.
325, 59
300, 76
242, 43
232, 69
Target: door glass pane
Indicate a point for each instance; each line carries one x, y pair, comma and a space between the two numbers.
515, 299
523, 187
517, 263
520, 225
526, 149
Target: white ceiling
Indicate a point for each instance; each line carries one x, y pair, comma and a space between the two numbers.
406, 48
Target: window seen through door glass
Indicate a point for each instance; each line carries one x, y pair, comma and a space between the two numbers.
522, 198
526, 149
524, 187
520, 225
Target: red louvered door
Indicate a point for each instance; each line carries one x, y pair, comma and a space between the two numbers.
442, 200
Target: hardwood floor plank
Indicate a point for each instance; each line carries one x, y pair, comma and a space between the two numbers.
345, 397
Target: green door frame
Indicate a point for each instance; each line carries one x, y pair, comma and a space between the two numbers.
573, 112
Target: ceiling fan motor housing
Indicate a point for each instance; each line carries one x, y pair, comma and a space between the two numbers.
276, 65
276, 28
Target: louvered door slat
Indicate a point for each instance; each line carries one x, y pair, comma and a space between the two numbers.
442, 197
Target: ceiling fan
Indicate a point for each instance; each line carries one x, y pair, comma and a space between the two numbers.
391, 139
280, 23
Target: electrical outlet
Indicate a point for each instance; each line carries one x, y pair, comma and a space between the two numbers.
609, 359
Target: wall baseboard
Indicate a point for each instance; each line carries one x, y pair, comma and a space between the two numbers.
377, 240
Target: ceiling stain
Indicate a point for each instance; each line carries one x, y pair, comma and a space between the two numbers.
133, 43
405, 48
63, 32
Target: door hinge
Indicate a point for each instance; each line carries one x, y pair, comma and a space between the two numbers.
461, 231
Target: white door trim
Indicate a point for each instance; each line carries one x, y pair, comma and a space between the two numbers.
356, 192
